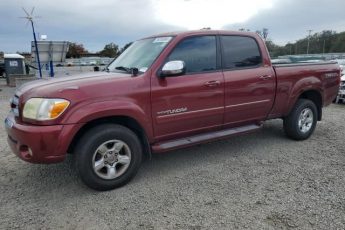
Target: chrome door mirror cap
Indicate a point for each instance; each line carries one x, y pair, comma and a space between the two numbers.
173, 68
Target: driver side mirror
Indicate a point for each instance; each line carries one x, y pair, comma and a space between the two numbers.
173, 68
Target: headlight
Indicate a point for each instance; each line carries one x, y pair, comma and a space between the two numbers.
44, 108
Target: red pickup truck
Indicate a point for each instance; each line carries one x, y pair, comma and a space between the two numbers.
165, 92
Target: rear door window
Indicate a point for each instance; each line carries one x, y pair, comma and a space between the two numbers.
240, 52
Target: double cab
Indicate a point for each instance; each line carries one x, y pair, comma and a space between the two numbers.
165, 92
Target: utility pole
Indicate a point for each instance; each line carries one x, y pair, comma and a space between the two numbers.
265, 33
308, 40
290, 49
324, 45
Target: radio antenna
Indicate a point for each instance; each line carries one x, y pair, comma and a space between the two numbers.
30, 17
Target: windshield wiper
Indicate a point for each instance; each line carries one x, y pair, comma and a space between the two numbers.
128, 70
133, 70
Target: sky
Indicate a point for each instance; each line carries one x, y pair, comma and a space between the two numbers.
96, 23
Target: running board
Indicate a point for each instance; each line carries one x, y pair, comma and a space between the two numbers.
202, 138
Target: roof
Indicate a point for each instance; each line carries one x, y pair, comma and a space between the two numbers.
17, 56
203, 31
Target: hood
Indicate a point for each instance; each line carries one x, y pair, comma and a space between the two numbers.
67, 81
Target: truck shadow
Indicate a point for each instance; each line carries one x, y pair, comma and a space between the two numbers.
217, 151
63, 176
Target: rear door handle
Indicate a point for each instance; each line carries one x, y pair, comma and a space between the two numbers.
265, 77
212, 83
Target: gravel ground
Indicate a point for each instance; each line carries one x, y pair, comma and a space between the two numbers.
258, 181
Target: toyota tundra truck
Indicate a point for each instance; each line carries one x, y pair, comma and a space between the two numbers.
165, 92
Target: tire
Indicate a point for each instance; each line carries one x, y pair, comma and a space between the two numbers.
108, 156
301, 121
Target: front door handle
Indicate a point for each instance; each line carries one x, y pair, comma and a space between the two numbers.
212, 83
265, 77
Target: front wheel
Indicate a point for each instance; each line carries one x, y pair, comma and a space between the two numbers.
301, 121
108, 156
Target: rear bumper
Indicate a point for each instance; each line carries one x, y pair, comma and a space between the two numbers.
39, 144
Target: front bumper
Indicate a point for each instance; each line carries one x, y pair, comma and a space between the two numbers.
39, 144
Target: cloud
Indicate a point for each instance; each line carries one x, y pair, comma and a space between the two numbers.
289, 20
196, 14
95, 23
89, 22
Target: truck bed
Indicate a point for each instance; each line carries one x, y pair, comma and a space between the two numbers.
295, 78
278, 65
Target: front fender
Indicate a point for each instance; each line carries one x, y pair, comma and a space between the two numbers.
85, 113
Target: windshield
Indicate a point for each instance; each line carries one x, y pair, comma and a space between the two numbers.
140, 55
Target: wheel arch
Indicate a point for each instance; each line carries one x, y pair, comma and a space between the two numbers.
125, 121
315, 96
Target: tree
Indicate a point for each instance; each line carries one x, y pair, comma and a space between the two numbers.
327, 41
125, 47
338, 45
76, 50
110, 50
274, 49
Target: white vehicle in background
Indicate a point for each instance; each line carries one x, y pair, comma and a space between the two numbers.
281, 61
341, 63
70, 63
341, 95
312, 61
93, 63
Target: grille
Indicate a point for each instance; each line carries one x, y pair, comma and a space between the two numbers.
15, 105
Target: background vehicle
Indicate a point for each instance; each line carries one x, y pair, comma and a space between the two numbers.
341, 62
2, 69
341, 94
93, 63
162, 93
70, 64
281, 61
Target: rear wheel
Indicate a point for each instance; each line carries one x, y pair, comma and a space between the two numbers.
301, 121
108, 156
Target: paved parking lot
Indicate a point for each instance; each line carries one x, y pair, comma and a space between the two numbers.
258, 181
